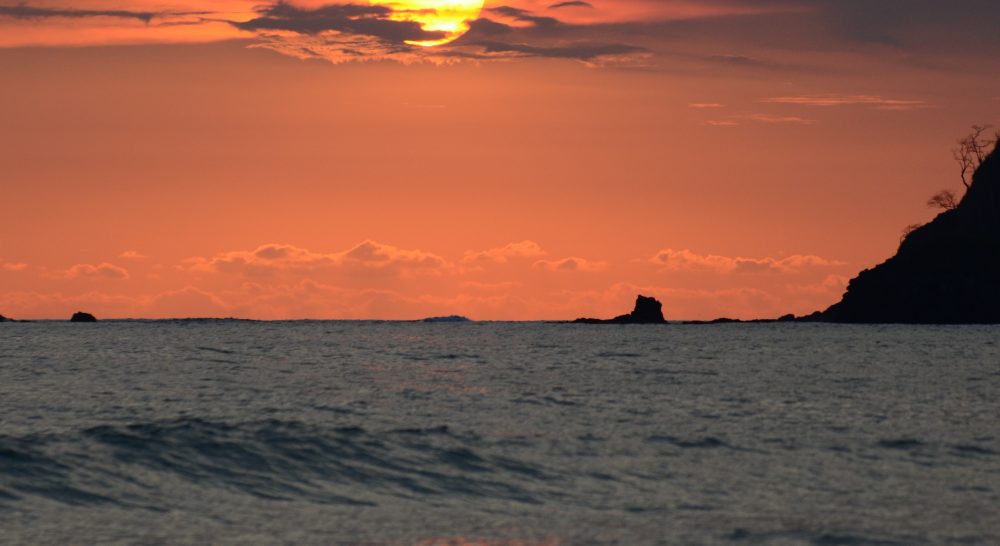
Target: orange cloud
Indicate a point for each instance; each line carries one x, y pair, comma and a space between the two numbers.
524, 249
99, 271
685, 260
571, 264
271, 258
828, 101
17, 266
780, 120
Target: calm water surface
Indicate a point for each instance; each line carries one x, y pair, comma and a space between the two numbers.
185, 432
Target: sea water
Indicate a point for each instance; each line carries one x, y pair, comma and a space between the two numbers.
498, 434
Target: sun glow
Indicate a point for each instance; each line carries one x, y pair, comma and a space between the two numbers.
448, 16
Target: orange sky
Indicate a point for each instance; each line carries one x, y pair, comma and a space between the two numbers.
732, 158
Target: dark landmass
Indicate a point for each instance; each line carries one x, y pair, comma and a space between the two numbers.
5, 319
945, 272
451, 318
785, 318
80, 316
647, 311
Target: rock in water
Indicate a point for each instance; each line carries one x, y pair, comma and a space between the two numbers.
647, 311
80, 316
945, 272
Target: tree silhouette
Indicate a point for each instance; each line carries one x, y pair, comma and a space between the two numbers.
944, 199
972, 150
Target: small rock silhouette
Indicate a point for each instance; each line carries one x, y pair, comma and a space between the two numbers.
80, 316
646, 311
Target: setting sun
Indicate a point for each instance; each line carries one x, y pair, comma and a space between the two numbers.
448, 16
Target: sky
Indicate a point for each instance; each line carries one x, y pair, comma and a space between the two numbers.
545, 160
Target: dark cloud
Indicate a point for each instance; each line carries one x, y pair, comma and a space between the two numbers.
525, 16
735, 60
572, 4
755, 35
356, 19
582, 52
487, 27
24, 11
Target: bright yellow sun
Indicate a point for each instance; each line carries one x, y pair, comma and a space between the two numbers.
448, 16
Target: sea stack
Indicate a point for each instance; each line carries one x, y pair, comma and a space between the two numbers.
646, 311
80, 316
945, 272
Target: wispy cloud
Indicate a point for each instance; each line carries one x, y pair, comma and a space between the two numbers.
25, 11
780, 120
686, 260
572, 4
829, 101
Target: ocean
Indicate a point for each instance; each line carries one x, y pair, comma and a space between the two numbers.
498, 434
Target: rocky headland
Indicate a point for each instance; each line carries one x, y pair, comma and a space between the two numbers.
945, 272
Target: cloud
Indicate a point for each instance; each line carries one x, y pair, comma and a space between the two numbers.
580, 51
355, 19
501, 255
685, 260
736, 60
572, 4
14, 266
24, 11
524, 16
99, 271
828, 101
275, 258
132, 255
705, 105
780, 120
571, 264
354, 32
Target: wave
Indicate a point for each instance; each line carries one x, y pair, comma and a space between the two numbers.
270, 459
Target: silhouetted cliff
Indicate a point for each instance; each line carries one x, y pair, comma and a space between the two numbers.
946, 272
5, 319
646, 311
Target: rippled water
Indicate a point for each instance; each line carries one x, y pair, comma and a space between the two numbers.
214, 432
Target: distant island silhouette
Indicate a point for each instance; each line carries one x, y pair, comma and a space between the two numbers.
945, 272
646, 311
450, 318
5, 319
80, 316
